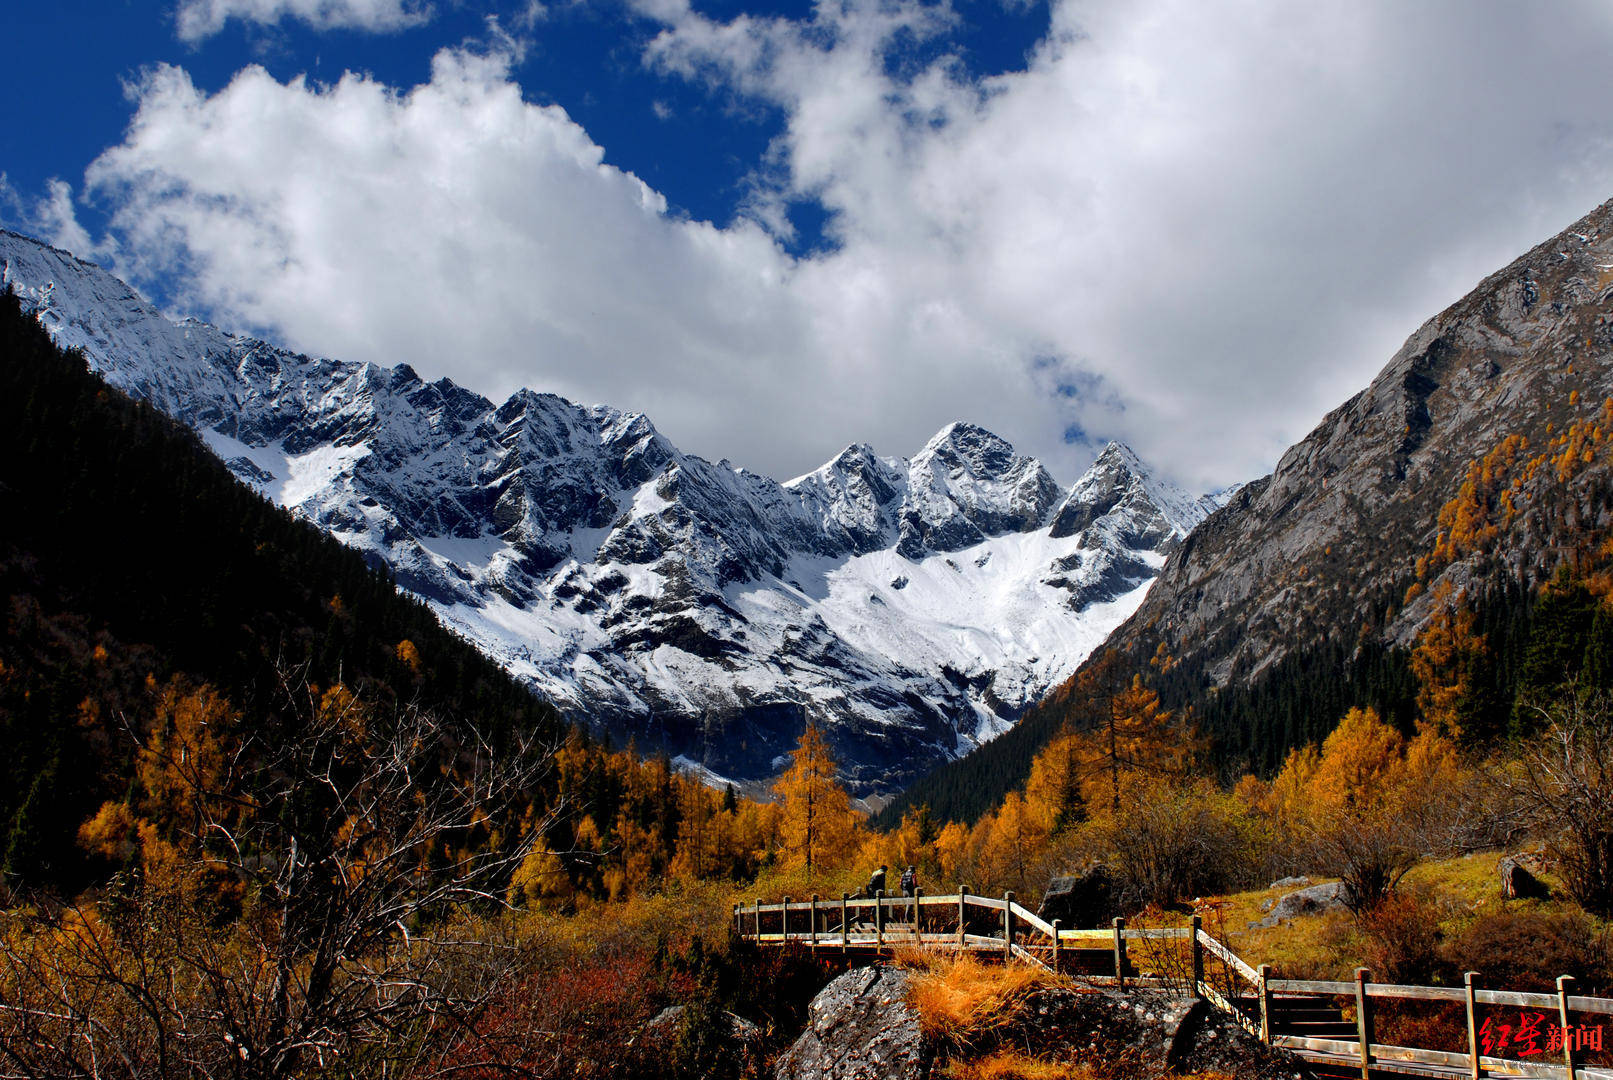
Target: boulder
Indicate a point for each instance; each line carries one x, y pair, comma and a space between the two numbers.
1083, 901
1312, 901
1210, 1043
1518, 883
1142, 1033
714, 1042
860, 1027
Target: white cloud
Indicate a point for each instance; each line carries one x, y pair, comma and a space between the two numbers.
50, 218
1229, 214
1216, 222
199, 19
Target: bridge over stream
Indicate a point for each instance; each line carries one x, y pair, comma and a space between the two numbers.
1329, 1024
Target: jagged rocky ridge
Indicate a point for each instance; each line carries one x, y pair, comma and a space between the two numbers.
913, 607
1337, 527
1317, 560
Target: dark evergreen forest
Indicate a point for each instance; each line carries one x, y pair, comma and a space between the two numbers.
130, 554
1535, 641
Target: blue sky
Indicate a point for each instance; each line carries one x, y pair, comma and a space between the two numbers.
780, 229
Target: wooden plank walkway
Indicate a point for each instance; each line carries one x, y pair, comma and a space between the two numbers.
1307, 1017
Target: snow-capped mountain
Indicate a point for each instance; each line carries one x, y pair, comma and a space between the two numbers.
911, 606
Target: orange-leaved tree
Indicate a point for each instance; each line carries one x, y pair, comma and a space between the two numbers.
817, 827
1372, 802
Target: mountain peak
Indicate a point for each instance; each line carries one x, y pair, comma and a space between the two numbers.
1117, 455
1308, 552
1118, 478
641, 588
961, 442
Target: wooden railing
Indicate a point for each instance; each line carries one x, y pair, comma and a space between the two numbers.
959, 920
1374, 1055
1252, 996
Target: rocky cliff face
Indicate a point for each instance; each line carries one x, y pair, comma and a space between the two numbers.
910, 606
1341, 521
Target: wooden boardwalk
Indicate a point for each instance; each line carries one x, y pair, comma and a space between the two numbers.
1329, 1024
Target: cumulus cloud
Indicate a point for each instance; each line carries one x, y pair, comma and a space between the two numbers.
50, 217
1193, 228
199, 19
1229, 214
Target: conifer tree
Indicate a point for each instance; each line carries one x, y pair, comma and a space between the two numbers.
818, 826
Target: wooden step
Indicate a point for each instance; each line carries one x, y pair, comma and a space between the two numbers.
1317, 1016
1320, 1030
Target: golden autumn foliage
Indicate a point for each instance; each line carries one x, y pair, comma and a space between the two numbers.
1481, 507
1443, 661
1125, 731
1059, 775
1370, 801
633, 826
817, 826
409, 654
1497, 487
190, 738
1007, 842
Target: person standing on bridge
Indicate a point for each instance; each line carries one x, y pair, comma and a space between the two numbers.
876, 882
910, 881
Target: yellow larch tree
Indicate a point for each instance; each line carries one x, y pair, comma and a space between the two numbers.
817, 826
1443, 661
1009, 841
1053, 793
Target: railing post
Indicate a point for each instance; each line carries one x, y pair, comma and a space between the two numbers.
1120, 951
1198, 957
1057, 924
812, 930
1363, 1021
784, 922
963, 920
1265, 1003
757, 910
845, 923
1564, 983
918, 908
1008, 925
1469, 985
879, 919
739, 928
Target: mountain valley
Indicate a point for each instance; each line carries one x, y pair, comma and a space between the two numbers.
912, 607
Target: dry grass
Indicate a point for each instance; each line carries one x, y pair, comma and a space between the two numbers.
961, 1001
1013, 1065
1463, 890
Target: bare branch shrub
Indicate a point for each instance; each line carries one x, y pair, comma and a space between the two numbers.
1176, 841
300, 918
1564, 785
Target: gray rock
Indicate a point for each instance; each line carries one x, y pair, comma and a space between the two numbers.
860, 1027
1290, 883
730, 1048
1140, 1033
1081, 901
1517, 883
669, 1019
1312, 901
1210, 1042
1309, 553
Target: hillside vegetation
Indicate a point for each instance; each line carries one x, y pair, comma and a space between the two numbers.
263, 814
1303, 596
